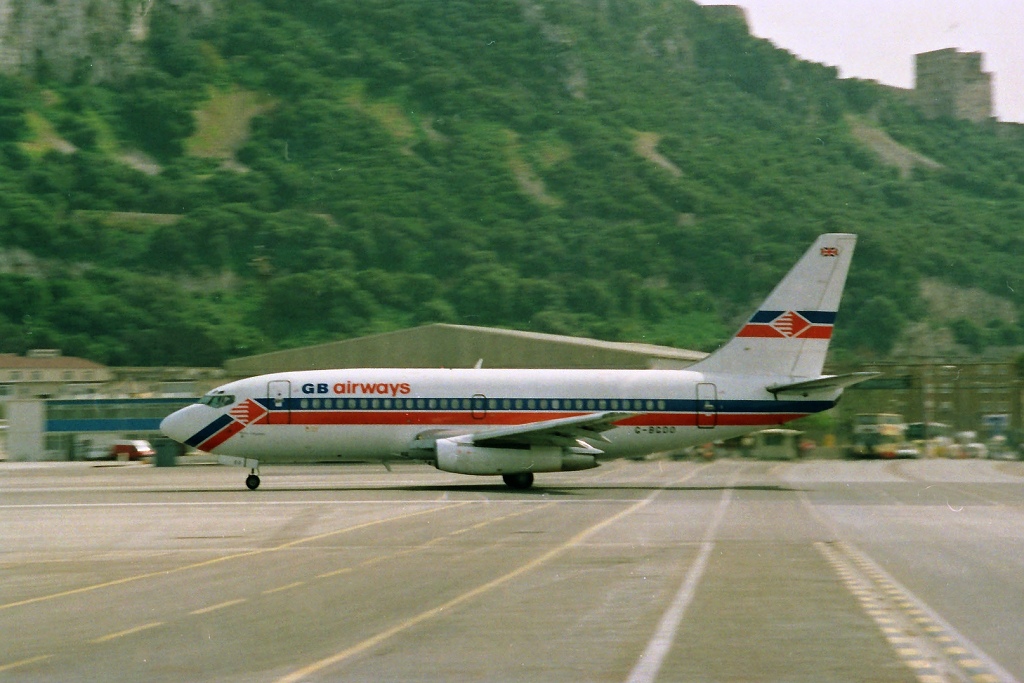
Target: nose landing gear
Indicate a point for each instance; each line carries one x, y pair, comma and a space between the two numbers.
252, 481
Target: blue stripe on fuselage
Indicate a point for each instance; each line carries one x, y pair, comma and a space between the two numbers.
209, 430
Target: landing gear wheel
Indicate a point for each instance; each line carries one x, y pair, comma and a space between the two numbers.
519, 481
252, 481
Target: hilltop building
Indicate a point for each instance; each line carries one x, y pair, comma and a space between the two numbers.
951, 83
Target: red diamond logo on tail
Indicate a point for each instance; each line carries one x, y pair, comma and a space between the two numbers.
790, 324
248, 411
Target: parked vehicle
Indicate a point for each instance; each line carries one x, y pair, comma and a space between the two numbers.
968, 445
933, 439
881, 435
775, 444
999, 448
136, 449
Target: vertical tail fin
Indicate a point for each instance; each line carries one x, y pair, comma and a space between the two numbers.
790, 332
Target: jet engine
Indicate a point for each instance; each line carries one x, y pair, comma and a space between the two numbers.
467, 458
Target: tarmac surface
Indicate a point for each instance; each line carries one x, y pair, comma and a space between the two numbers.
733, 570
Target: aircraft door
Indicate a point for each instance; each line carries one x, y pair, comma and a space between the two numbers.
279, 392
707, 405
479, 406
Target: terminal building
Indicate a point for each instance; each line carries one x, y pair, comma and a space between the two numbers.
57, 407
982, 397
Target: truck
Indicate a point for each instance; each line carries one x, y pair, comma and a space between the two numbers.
880, 435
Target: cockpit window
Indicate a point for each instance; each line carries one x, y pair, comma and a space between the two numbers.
217, 400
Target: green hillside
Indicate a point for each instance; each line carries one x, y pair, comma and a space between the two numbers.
628, 170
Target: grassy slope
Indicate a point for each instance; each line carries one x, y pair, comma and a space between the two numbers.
633, 170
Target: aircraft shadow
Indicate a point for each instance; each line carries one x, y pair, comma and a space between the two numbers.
535, 491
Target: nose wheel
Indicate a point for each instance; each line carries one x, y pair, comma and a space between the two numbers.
252, 481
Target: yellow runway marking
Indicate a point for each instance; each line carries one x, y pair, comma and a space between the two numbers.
24, 662
336, 572
214, 608
926, 645
455, 602
538, 561
434, 541
219, 560
284, 588
126, 632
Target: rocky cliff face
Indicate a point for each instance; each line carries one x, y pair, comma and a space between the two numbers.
87, 40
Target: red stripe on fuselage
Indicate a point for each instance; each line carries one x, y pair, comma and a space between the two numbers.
455, 418
220, 437
458, 418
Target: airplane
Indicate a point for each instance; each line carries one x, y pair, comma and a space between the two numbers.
520, 422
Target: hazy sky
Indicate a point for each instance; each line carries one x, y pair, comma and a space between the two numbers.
878, 39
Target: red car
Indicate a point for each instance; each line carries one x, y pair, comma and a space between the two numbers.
135, 449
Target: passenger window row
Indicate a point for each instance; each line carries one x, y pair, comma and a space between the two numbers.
480, 404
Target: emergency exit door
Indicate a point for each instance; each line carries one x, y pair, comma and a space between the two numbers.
279, 392
707, 405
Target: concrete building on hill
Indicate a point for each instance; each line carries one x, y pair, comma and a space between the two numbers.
951, 83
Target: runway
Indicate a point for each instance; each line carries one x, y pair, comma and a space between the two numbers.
732, 570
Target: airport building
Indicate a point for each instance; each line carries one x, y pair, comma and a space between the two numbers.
56, 407
45, 372
463, 346
983, 397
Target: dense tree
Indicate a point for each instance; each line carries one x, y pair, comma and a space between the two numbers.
627, 170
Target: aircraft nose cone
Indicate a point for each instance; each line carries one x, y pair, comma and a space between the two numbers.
176, 425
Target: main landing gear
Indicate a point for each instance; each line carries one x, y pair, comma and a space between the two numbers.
518, 481
252, 481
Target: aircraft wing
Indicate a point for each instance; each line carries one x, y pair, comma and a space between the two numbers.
827, 383
567, 432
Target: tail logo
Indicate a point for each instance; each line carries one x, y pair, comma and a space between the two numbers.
830, 251
789, 324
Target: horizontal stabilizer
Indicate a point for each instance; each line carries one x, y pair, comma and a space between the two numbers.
827, 383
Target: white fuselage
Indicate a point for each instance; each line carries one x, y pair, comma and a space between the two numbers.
375, 414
